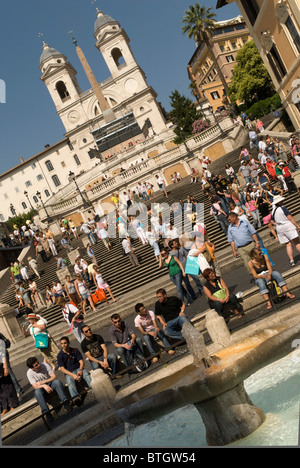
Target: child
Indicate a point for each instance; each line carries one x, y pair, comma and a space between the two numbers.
19, 298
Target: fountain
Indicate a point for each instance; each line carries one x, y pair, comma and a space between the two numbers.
214, 384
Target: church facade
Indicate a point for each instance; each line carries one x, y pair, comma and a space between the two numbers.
99, 123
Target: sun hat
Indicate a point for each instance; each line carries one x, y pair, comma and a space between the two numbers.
33, 315
277, 199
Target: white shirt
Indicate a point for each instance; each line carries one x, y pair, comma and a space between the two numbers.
126, 246
45, 374
103, 234
85, 228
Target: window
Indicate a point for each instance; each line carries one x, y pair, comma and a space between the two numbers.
33, 165
49, 166
70, 145
17, 189
5, 195
39, 177
62, 90
118, 57
56, 181
24, 205
229, 58
240, 26
251, 9
28, 183
228, 29
1, 217
215, 95
47, 193
35, 199
293, 32
77, 160
276, 63
222, 47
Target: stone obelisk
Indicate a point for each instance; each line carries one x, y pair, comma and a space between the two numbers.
107, 112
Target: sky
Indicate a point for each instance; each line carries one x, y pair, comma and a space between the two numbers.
28, 119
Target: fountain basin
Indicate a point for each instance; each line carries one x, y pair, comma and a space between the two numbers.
216, 391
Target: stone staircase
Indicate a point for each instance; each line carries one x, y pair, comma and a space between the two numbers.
131, 284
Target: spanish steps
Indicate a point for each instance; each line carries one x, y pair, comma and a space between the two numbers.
133, 284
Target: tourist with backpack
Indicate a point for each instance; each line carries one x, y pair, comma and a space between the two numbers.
263, 274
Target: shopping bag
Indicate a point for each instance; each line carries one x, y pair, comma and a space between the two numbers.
41, 340
94, 298
203, 263
192, 266
101, 295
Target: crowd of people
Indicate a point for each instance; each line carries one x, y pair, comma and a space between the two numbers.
241, 202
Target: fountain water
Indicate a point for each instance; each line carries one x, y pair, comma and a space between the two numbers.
213, 384
274, 388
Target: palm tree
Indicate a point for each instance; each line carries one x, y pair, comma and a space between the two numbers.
199, 25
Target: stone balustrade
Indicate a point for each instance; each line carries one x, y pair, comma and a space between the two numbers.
148, 168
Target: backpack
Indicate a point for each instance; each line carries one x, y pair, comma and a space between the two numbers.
275, 292
6, 341
138, 361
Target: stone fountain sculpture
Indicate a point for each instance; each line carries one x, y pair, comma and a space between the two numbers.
213, 384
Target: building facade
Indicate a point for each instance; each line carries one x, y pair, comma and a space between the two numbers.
274, 26
100, 122
228, 38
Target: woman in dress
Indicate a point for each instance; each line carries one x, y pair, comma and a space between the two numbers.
71, 291
101, 284
83, 292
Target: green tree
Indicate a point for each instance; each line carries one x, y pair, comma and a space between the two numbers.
199, 25
250, 81
183, 114
21, 219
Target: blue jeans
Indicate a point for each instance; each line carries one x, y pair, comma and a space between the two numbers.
40, 393
190, 290
256, 218
91, 238
173, 328
112, 362
222, 220
148, 340
197, 282
262, 284
125, 353
71, 382
182, 293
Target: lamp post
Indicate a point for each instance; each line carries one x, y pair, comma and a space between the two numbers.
27, 196
73, 178
216, 120
38, 194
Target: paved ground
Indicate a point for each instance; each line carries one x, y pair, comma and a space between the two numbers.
237, 280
